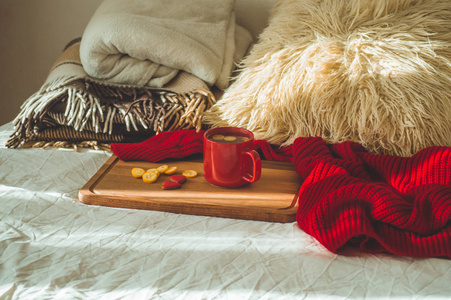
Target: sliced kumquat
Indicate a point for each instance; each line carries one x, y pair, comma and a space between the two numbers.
189, 173
230, 138
217, 137
150, 177
137, 172
153, 170
171, 171
163, 168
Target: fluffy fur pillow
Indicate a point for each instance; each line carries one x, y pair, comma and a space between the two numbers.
374, 72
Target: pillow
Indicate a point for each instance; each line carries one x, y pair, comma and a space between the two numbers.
373, 72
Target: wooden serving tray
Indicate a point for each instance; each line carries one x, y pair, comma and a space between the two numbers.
273, 198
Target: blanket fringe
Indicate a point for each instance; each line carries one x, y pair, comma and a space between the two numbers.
95, 145
157, 110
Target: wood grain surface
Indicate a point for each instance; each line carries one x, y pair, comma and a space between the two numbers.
273, 198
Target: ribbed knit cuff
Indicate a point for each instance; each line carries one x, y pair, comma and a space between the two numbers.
170, 144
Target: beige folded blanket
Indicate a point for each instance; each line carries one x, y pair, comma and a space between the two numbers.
146, 43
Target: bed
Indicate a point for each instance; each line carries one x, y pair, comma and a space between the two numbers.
54, 247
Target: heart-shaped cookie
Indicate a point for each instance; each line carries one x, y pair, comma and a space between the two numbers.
170, 185
178, 178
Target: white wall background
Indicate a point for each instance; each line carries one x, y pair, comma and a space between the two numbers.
32, 35
34, 32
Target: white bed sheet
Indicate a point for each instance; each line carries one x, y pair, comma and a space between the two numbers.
54, 247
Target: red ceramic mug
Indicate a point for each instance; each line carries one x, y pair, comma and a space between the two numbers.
229, 157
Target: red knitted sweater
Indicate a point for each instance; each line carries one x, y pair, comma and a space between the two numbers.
400, 205
380, 202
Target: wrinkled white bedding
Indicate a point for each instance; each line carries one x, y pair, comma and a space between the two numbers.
54, 247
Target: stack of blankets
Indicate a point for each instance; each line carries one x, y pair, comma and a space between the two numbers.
140, 68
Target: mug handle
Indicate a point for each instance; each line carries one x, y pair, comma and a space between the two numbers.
257, 166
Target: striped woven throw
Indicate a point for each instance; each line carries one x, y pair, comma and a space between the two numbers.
74, 110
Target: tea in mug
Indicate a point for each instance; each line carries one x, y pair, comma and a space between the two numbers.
229, 157
228, 138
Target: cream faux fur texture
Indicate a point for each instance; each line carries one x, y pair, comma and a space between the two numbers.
374, 72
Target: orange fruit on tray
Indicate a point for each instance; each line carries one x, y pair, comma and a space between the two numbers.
137, 172
189, 173
150, 177
171, 171
153, 170
163, 168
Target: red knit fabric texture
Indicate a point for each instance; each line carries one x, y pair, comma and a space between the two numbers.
182, 143
383, 203
272, 152
400, 205
169, 144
